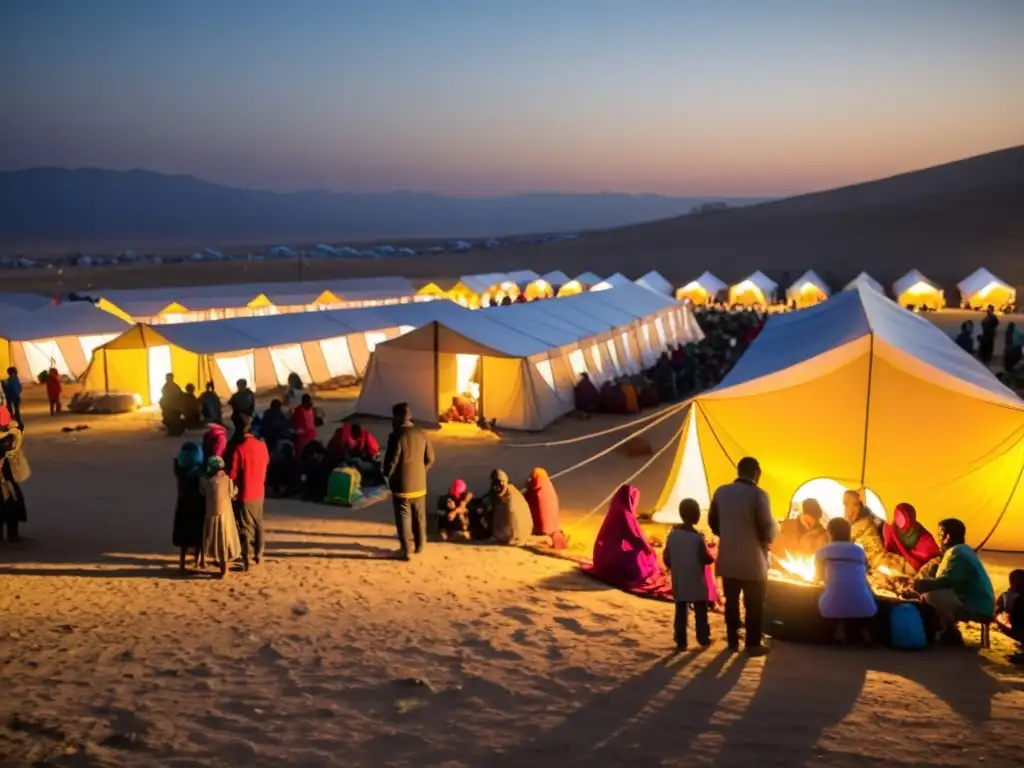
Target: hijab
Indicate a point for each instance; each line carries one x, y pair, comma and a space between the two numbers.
539, 478
620, 528
458, 489
190, 458
904, 519
214, 465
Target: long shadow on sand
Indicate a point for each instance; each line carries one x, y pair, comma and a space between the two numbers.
152, 572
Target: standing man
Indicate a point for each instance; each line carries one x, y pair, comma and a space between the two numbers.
249, 473
741, 516
987, 341
408, 458
243, 401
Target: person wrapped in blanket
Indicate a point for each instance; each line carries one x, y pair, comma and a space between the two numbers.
453, 511
622, 554
502, 514
865, 530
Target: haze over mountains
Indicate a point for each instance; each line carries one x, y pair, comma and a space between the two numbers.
91, 208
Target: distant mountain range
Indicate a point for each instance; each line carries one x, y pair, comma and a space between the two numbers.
90, 208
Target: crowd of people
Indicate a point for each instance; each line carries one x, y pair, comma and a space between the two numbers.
680, 371
984, 349
941, 575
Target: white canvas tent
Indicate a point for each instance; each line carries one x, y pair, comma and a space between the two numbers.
916, 290
704, 290
615, 281
866, 280
579, 284
891, 384
318, 346
557, 278
655, 282
981, 288
808, 290
523, 361
61, 336
757, 289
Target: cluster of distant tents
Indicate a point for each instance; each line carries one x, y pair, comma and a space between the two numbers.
978, 290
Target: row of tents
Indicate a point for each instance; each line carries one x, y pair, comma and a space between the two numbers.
979, 289
861, 394
525, 358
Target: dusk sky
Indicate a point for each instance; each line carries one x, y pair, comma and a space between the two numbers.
475, 97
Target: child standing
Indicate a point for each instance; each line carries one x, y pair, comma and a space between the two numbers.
53, 391
220, 532
687, 556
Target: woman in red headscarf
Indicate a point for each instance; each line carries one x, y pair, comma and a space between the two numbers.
543, 501
622, 555
453, 510
908, 538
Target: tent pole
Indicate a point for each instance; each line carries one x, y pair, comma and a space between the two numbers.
867, 411
106, 375
437, 373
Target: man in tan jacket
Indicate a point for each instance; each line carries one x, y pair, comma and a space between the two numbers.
741, 516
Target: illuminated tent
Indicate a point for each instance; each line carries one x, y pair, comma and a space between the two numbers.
556, 279
981, 288
532, 285
866, 280
318, 346
579, 284
474, 291
615, 281
758, 288
522, 362
704, 290
655, 282
871, 396
61, 336
916, 290
808, 290
216, 302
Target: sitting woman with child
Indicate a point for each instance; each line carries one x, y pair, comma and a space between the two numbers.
622, 554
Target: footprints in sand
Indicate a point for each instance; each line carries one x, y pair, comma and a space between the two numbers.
520, 614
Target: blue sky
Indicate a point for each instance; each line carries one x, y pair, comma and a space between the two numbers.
483, 97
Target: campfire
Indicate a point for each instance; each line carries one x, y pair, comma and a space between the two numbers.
798, 566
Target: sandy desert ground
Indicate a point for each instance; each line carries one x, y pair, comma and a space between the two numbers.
332, 654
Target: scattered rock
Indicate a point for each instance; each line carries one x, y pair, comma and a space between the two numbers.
300, 609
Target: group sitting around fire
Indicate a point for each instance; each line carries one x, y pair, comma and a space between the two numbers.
680, 371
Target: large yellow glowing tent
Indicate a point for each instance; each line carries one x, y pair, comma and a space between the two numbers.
857, 393
916, 290
808, 290
981, 288
756, 290
704, 290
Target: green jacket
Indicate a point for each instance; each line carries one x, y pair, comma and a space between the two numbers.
961, 570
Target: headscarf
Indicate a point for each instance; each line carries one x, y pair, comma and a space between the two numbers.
499, 476
214, 465
539, 478
904, 519
190, 457
458, 489
621, 529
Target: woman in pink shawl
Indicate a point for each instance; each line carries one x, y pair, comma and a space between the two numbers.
622, 555
908, 538
215, 441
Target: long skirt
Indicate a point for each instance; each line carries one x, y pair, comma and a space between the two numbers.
220, 539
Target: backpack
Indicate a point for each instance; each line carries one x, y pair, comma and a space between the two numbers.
906, 628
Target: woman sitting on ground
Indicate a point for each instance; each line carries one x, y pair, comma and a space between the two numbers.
543, 501
275, 425
453, 511
587, 398
303, 423
908, 538
209, 405
847, 599
315, 471
622, 554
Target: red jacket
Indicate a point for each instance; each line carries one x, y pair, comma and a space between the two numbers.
53, 387
304, 427
249, 468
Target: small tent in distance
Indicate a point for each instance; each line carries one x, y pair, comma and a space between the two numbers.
615, 281
808, 290
914, 290
654, 281
756, 290
981, 288
867, 281
579, 284
704, 290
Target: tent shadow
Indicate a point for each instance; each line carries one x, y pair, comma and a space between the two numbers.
158, 572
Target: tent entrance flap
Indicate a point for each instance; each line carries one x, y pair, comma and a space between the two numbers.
829, 494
